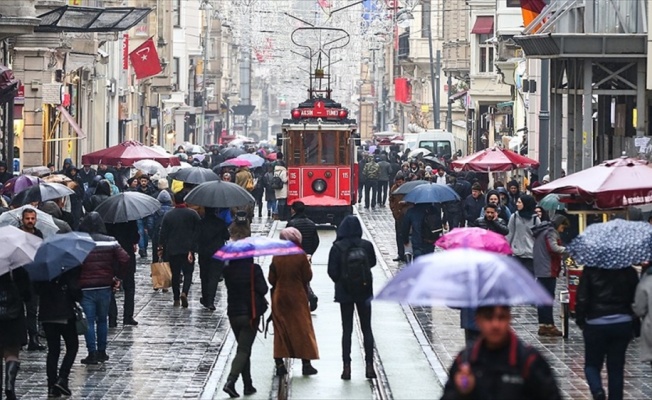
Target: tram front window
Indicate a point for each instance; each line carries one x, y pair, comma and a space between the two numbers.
311, 147
320, 148
328, 147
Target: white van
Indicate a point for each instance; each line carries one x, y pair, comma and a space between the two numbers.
441, 143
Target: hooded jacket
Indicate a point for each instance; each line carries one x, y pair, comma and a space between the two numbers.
308, 229
114, 189
179, 231
520, 235
281, 172
102, 192
213, 233
503, 210
238, 281
349, 233
107, 260
548, 251
166, 205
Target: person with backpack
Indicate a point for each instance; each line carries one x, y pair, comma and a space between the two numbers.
349, 266
371, 172
280, 186
422, 226
270, 193
499, 365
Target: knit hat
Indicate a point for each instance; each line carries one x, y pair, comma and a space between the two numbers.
163, 184
476, 186
559, 220
164, 197
291, 234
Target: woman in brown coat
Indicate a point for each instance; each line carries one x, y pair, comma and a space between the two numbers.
294, 336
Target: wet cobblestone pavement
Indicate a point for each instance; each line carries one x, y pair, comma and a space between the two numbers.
169, 355
441, 326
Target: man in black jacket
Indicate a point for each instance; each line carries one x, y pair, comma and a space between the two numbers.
499, 365
126, 233
473, 204
213, 233
178, 241
308, 229
491, 221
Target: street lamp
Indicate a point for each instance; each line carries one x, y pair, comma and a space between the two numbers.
206, 7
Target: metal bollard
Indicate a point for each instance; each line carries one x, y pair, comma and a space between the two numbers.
564, 300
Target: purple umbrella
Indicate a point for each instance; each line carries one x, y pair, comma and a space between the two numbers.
19, 183
257, 246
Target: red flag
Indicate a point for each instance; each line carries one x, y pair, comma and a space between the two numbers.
530, 9
145, 60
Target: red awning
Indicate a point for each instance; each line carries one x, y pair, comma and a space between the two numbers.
484, 25
71, 121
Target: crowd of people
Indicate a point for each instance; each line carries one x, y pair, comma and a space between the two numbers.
185, 235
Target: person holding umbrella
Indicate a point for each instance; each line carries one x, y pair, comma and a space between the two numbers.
213, 233
605, 295
57, 300
178, 243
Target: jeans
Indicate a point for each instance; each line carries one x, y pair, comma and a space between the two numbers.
272, 206
179, 264
608, 341
545, 312
96, 307
245, 334
53, 334
144, 238
383, 188
281, 205
364, 314
370, 190
400, 245
210, 273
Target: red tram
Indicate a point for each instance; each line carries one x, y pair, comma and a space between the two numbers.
319, 142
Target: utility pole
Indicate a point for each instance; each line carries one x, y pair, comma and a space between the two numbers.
426, 9
449, 110
544, 120
207, 8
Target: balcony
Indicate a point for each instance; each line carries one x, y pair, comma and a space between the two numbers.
456, 57
413, 50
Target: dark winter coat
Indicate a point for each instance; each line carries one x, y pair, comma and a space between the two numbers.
106, 261
15, 286
86, 177
349, 232
308, 229
237, 277
166, 205
497, 225
548, 251
102, 192
473, 208
179, 231
57, 298
270, 194
603, 292
213, 233
514, 372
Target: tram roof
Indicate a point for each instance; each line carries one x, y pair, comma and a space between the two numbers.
294, 125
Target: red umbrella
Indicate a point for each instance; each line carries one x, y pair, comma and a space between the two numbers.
612, 184
493, 160
128, 153
271, 157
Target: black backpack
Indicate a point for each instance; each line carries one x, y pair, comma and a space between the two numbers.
277, 182
355, 270
431, 227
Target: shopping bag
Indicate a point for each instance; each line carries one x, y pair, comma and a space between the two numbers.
81, 323
161, 275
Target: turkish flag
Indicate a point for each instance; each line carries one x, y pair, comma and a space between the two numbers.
145, 60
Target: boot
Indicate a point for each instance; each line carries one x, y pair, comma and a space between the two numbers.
91, 359
11, 370
346, 372
281, 370
102, 356
229, 388
370, 373
62, 385
599, 395
308, 369
53, 392
34, 343
249, 388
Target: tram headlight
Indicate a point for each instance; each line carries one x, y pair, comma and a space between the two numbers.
319, 186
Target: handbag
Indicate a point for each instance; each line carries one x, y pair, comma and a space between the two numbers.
81, 323
161, 275
312, 298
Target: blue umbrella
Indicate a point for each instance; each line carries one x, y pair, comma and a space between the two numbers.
432, 193
465, 278
257, 246
58, 254
613, 245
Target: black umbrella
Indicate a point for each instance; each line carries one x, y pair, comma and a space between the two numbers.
127, 206
232, 152
434, 162
408, 186
40, 193
219, 194
195, 175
